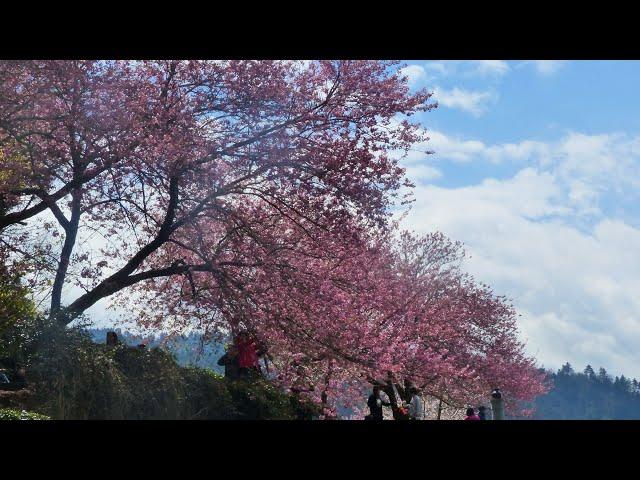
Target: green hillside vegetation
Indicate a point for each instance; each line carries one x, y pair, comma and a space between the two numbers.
11, 414
72, 377
189, 350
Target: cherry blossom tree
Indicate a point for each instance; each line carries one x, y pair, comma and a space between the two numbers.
350, 306
143, 154
249, 195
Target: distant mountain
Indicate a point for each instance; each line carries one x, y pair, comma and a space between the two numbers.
589, 395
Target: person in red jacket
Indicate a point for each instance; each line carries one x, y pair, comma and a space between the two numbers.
248, 360
471, 414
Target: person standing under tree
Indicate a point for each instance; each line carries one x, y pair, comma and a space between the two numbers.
482, 412
248, 360
416, 405
390, 388
230, 362
387, 408
406, 390
375, 404
471, 414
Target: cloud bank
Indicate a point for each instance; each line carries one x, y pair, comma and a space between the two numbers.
543, 237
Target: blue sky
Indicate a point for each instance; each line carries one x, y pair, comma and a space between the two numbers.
536, 171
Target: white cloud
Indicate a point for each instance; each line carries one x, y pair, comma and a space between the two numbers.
420, 73
548, 67
576, 290
439, 68
588, 166
416, 74
422, 173
451, 148
521, 151
574, 282
492, 67
470, 101
543, 237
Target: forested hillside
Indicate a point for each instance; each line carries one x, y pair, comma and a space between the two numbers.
589, 395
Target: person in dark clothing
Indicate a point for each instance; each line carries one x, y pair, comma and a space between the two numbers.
406, 391
230, 362
19, 378
375, 404
392, 390
482, 412
112, 339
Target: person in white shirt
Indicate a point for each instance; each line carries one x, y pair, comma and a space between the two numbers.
416, 406
387, 411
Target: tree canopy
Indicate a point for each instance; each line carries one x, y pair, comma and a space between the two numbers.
248, 195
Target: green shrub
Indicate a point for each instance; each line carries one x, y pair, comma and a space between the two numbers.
9, 414
207, 396
15, 302
259, 399
74, 378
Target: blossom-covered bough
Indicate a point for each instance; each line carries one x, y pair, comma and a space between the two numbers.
247, 195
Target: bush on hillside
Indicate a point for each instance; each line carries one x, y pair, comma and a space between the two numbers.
10, 414
74, 378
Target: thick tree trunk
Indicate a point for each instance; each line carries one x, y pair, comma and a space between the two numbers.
71, 233
124, 277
